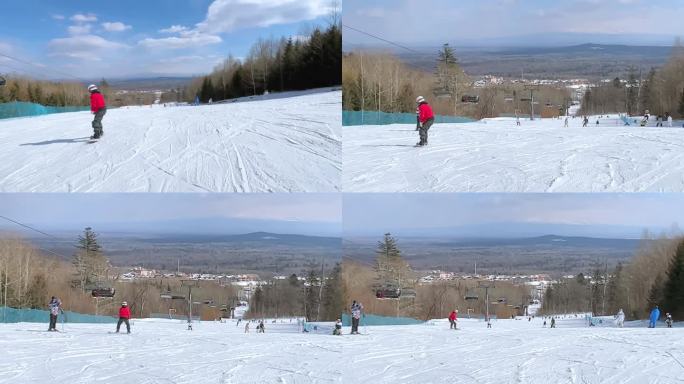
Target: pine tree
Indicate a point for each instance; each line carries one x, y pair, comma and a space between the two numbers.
333, 295
311, 301
673, 290
656, 294
390, 266
90, 264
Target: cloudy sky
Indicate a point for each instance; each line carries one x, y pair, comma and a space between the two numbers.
306, 213
122, 38
511, 215
507, 22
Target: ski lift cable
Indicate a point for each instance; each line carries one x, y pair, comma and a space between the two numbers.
28, 227
39, 231
381, 39
42, 67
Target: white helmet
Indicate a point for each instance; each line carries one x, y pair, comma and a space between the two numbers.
420, 99
124, 304
92, 87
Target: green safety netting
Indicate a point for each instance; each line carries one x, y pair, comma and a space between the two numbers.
380, 320
15, 315
384, 118
23, 109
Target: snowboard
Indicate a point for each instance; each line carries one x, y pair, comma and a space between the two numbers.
117, 333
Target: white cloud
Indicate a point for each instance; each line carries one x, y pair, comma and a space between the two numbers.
58, 17
115, 26
186, 39
228, 15
174, 29
81, 18
83, 29
88, 47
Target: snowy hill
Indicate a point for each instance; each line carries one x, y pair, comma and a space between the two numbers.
272, 144
512, 351
494, 155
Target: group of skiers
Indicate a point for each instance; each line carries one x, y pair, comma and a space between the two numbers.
655, 316
55, 308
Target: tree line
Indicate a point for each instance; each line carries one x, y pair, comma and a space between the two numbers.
283, 64
317, 298
659, 91
432, 300
29, 277
654, 276
382, 82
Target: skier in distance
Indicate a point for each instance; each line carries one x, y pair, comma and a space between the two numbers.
356, 309
124, 317
55, 306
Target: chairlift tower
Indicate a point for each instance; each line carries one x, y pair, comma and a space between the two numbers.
486, 285
532, 88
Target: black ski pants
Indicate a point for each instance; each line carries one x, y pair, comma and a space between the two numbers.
424, 130
123, 320
97, 121
53, 322
355, 325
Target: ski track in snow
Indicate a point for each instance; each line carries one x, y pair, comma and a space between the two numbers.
494, 155
512, 351
281, 145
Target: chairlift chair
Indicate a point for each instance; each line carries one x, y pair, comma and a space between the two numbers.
2, 81
172, 296
470, 296
103, 292
387, 291
470, 99
441, 93
408, 293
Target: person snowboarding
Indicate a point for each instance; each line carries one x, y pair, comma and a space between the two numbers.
566, 122
55, 306
98, 108
620, 319
337, 331
517, 120
247, 327
425, 119
356, 309
668, 320
655, 314
260, 327
585, 122
553, 322
453, 317
124, 317
669, 119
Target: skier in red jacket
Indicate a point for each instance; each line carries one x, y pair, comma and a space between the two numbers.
425, 119
124, 316
98, 108
453, 317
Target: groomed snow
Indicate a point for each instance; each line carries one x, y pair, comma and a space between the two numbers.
512, 351
284, 144
494, 155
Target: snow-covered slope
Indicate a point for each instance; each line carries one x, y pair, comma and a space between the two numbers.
495, 155
512, 351
275, 145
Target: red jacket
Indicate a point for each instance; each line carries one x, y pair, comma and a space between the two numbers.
124, 313
96, 101
425, 112
452, 315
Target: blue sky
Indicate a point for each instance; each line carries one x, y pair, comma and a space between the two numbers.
123, 38
515, 22
305, 213
511, 215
